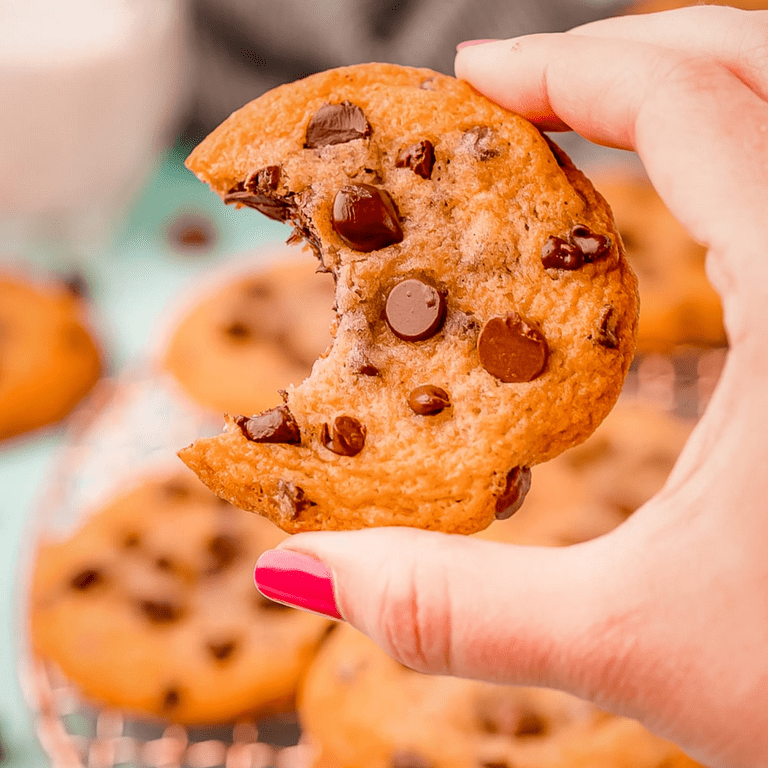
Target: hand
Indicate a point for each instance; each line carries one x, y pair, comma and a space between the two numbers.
666, 618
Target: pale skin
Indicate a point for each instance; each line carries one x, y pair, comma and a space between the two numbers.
666, 618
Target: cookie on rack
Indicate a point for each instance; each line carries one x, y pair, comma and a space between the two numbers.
49, 358
150, 607
486, 315
679, 306
358, 707
252, 336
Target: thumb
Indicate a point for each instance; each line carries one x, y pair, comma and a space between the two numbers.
457, 605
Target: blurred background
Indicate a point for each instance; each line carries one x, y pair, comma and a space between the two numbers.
104, 235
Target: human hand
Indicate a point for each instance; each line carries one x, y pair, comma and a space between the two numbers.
666, 618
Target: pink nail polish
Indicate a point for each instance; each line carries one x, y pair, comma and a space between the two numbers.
467, 43
297, 580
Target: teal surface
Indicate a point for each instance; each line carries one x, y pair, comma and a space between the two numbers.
133, 282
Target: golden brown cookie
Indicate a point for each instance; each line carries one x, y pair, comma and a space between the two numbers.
252, 336
485, 313
653, 6
49, 359
678, 304
150, 606
590, 489
359, 708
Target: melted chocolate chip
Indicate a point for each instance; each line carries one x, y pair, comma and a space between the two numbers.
414, 310
86, 579
428, 400
347, 437
512, 497
222, 651
409, 759
559, 254
259, 191
369, 370
171, 699
223, 550
161, 611
276, 425
419, 157
336, 124
479, 140
365, 218
582, 247
607, 329
593, 246
293, 499
512, 350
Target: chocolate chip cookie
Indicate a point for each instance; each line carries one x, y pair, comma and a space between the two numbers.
679, 305
359, 707
49, 359
252, 336
150, 606
486, 315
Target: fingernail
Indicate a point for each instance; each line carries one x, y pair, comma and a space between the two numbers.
467, 43
297, 580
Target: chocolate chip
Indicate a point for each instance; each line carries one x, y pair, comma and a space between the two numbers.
87, 579
293, 500
508, 718
479, 140
222, 651
77, 285
593, 246
607, 328
428, 400
336, 124
161, 611
494, 764
530, 724
414, 310
512, 350
259, 191
512, 497
131, 540
409, 759
239, 330
265, 604
164, 564
419, 157
347, 437
171, 699
556, 253
176, 489
276, 425
369, 370
222, 551
365, 218
582, 247
191, 232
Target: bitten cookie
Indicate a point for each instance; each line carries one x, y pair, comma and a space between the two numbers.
485, 312
49, 360
239, 345
150, 606
358, 707
679, 305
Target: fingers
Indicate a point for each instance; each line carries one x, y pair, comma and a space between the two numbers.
737, 39
474, 608
700, 131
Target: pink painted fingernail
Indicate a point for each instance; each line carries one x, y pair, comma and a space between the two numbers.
467, 43
297, 580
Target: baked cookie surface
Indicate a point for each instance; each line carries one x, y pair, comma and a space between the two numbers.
679, 305
485, 312
236, 347
49, 359
150, 606
358, 707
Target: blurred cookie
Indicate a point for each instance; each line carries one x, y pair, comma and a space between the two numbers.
652, 6
258, 334
150, 606
590, 489
678, 305
486, 314
358, 708
49, 359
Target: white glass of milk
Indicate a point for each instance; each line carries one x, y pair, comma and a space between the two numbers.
90, 91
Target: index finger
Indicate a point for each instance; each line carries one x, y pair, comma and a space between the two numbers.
700, 131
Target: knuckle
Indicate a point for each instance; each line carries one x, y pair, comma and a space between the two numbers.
414, 623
